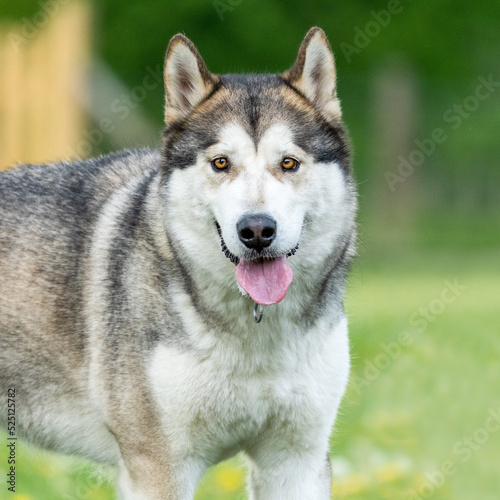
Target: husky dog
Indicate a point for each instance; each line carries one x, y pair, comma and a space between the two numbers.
126, 333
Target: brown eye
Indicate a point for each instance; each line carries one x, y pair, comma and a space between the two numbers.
290, 164
220, 163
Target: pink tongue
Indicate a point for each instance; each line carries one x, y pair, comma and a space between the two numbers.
266, 282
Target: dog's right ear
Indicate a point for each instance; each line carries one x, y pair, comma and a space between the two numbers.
187, 79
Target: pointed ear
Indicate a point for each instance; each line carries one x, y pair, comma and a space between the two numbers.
313, 74
187, 79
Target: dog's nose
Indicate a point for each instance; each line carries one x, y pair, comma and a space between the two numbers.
256, 231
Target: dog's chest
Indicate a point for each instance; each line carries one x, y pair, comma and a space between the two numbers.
223, 403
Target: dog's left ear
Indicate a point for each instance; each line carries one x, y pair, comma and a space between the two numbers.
187, 79
313, 74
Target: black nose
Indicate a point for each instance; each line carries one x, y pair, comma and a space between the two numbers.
256, 231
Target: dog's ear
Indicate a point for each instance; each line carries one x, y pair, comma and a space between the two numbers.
187, 79
313, 74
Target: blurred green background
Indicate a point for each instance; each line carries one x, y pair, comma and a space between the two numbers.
420, 89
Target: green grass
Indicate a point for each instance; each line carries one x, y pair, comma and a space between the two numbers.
400, 422
410, 415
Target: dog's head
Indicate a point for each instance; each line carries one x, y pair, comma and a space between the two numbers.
258, 164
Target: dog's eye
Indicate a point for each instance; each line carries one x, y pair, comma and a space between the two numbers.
290, 164
220, 163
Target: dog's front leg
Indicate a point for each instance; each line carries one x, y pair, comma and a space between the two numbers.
290, 477
143, 478
146, 473
148, 469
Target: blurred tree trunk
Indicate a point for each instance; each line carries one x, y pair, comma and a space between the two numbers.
42, 74
395, 113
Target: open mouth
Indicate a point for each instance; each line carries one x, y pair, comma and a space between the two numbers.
265, 279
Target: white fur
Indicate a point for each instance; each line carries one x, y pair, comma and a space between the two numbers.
271, 389
314, 215
256, 189
214, 403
